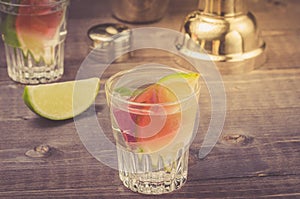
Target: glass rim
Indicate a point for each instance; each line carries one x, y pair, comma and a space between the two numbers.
111, 92
29, 5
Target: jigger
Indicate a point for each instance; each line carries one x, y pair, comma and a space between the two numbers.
225, 32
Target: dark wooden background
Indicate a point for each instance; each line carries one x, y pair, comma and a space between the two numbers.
257, 155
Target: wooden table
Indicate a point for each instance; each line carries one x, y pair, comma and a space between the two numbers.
257, 155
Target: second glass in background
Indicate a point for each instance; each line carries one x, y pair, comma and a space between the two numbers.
33, 33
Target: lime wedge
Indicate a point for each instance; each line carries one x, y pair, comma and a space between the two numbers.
9, 34
181, 84
60, 101
123, 91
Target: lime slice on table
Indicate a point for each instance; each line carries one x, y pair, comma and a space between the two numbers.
60, 101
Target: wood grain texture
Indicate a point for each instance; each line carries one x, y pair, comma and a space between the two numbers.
257, 155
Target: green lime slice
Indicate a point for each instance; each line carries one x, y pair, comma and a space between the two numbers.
9, 31
123, 91
60, 101
181, 84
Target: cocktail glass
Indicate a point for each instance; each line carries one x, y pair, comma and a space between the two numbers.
154, 115
34, 32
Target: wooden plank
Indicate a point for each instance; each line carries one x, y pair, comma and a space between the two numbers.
265, 187
265, 156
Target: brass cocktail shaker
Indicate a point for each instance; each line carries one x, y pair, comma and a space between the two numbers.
227, 32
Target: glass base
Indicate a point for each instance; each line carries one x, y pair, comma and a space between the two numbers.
24, 68
151, 174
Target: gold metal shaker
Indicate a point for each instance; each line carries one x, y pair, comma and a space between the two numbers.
227, 32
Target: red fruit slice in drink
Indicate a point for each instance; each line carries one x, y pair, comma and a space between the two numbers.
37, 27
148, 127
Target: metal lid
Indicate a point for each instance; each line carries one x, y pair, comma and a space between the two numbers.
111, 42
108, 32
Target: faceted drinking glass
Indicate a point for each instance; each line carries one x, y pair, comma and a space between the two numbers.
33, 32
154, 115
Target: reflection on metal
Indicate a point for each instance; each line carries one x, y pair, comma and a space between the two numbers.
139, 11
227, 32
110, 40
